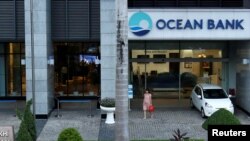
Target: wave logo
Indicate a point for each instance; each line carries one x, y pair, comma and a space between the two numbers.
140, 23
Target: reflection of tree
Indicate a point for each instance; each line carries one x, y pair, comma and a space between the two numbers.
84, 68
93, 75
64, 72
188, 79
16, 79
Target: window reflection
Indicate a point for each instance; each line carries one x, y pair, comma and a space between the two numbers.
77, 69
12, 74
171, 69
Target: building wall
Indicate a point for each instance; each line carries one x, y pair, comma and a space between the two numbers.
108, 48
38, 46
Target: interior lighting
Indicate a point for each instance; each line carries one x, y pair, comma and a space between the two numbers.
202, 55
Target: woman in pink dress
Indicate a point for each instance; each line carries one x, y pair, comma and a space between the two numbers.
147, 101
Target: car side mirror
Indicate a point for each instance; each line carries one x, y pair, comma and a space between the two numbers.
230, 96
199, 96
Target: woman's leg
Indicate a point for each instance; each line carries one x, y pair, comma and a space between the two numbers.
145, 114
145, 110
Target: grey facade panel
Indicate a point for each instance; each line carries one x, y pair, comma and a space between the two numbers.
210, 3
95, 19
20, 20
58, 20
7, 20
75, 20
12, 20
144, 3
190, 3
78, 20
232, 3
247, 4
164, 3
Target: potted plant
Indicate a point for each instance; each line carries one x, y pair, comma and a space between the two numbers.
108, 105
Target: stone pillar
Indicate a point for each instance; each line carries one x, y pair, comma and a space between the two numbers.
38, 38
108, 48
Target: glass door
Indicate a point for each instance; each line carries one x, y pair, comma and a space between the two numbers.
150, 68
171, 69
138, 71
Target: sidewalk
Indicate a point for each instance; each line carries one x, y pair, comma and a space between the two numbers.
165, 121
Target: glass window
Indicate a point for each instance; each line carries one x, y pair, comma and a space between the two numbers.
2, 76
77, 69
198, 91
203, 49
175, 67
214, 93
12, 74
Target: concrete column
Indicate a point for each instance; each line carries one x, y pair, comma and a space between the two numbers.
108, 48
38, 38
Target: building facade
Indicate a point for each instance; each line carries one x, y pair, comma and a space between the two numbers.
67, 48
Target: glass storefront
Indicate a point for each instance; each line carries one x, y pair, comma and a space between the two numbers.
242, 57
12, 72
77, 69
171, 68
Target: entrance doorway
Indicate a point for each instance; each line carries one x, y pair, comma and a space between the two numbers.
171, 69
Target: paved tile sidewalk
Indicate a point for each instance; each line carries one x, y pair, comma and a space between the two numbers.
87, 126
160, 127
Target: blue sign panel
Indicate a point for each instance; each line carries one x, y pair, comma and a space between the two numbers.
130, 91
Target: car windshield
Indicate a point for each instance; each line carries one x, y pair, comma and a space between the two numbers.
214, 93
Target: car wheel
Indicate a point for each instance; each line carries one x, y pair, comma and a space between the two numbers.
203, 115
191, 103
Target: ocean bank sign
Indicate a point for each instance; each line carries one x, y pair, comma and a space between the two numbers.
189, 24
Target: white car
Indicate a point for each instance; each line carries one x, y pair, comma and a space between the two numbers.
209, 98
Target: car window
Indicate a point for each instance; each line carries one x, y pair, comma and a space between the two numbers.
197, 91
214, 93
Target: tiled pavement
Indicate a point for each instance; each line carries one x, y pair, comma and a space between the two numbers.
93, 128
